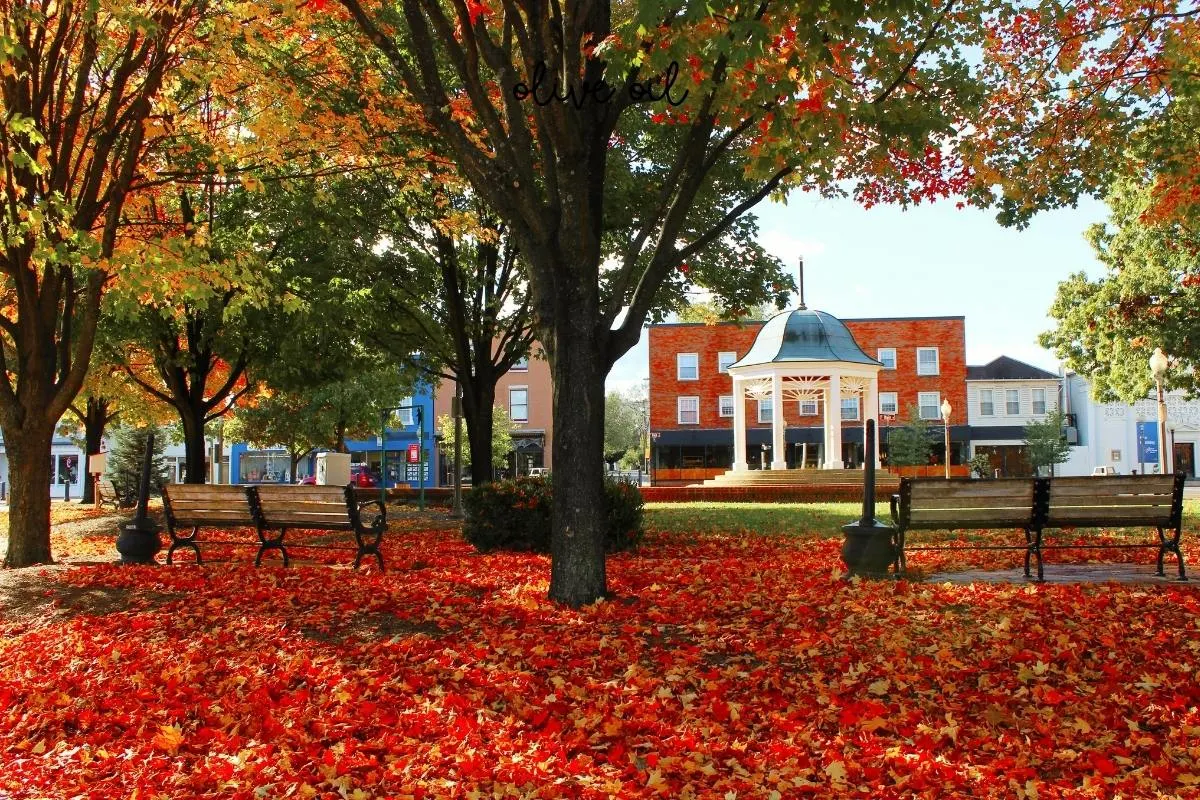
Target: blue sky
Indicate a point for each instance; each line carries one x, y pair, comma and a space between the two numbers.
932, 260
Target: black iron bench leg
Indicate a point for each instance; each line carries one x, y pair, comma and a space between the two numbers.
368, 548
1033, 549
189, 541
271, 544
900, 564
1170, 546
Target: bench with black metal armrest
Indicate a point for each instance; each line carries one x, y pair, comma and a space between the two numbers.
106, 494
325, 508
1034, 504
200, 505
963, 503
1119, 501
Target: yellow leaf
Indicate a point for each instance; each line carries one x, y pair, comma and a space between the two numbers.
880, 687
169, 738
836, 772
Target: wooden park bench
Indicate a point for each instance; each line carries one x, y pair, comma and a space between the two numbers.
199, 505
958, 503
1034, 504
1119, 501
106, 494
323, 508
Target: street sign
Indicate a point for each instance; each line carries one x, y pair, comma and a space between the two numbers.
414, 453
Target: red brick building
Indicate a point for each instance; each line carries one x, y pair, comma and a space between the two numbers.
691, 395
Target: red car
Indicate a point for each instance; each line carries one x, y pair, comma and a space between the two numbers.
360, 476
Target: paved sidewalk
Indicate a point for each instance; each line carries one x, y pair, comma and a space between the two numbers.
1074, 573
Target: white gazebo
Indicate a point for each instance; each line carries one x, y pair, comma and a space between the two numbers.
804, 355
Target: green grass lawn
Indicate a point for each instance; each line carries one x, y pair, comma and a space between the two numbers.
823, 519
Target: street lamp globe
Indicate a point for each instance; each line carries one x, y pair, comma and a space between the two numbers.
946, 410
1158, 364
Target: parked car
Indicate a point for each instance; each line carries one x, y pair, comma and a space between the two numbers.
360, 476
537, 472
1104, 471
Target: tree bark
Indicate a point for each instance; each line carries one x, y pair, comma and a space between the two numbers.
477, 411
95, 420
29, 457
193, 445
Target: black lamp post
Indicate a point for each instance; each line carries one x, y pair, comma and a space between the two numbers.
139, 542
869, 546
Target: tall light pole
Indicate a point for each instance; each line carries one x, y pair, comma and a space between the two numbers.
946, 409
1158, 368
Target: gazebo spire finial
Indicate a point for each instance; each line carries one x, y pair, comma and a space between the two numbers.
802, 307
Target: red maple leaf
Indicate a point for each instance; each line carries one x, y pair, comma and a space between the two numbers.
476, 9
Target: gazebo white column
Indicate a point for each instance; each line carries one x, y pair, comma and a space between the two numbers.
833, 422
870, 410
778, 453
739, 425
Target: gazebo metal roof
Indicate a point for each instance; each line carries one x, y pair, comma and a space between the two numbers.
804, 335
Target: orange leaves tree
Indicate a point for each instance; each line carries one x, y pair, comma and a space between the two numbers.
80, 86
538, 103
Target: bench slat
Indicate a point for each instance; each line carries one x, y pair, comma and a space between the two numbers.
1117, 483
1129, 500
308, 520
214, 514
923, 491
973, 502
184, 491
275, 504
1112, 515
953, 518
326, 494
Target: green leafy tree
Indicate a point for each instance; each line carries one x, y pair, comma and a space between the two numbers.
981, 465
124, 463
1047, 441
583, 184
502, 441
910, 444
624, 424
1149, 296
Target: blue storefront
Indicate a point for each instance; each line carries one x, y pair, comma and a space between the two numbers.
248, 465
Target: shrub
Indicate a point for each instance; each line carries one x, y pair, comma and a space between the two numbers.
515, 515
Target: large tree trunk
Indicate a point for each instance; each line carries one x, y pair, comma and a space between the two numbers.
577, 572
95, 420
28, 453
478, 399
193, 445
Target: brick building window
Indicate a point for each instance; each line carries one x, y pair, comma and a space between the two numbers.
849, 408
766, 407
927, 361
930, 404
687, 367
689, 410
888, 402
725, 405
724, 360
887, 355
518, 404
808, 408
987, 405
1039, 401
1012, 402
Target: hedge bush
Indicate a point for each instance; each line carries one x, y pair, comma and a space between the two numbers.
515, 515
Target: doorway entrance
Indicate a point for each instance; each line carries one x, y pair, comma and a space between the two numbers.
1184, 455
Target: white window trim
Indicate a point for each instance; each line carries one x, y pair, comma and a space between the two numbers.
721, 405
679, 409
679, 366
895, 402
983, 413
407, 415
879, 356
524, 389
1008, 413
857, 409
937, 358
770, 415
937, 405
1033, 401
816, 408
521, 366
720, 355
